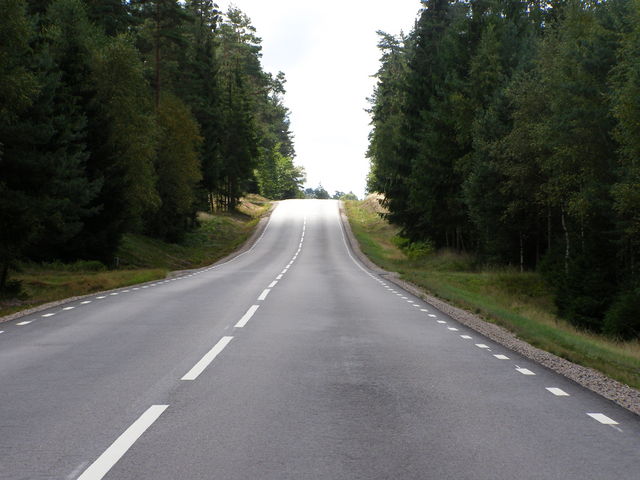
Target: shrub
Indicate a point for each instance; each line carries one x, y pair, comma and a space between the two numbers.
413, 250
11, 289
78, 266
623, 318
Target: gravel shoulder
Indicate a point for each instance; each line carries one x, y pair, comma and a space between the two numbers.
595, 381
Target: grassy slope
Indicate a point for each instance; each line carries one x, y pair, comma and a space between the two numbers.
517, 301
142, 259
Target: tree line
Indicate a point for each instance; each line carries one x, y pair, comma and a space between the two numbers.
510, 129
129, 116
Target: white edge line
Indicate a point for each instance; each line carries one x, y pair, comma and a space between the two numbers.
252, 246
204, 362
247, 316
116, 451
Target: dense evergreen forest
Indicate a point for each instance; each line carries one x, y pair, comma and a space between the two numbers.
129, 116
510, 129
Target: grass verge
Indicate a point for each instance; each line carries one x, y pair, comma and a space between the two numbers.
520, 302
141, 259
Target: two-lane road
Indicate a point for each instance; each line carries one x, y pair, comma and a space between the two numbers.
291, 361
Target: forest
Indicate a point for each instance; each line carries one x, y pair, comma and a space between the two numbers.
510, 129
130, 116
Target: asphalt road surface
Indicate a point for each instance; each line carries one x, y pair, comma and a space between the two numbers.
291, 361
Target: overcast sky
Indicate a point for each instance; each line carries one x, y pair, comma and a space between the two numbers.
328, 53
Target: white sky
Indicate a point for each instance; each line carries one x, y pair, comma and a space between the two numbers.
328, 53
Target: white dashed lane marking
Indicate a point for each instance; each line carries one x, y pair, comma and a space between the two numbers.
247, 316
264, 294
48, 315
466, 337
68, 308
524, 371
207, 359
98, 469
24, 323
557, 392
273, 284
501, 357
85, 302
481, 345
600, 417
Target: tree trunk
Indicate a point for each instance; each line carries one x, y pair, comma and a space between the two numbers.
566, 241
548, 229
521, 254
4, 273
157, 52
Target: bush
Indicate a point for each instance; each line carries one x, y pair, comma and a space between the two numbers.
413, 250
623, 318
11, 289
78, 266
585, 292
400, 242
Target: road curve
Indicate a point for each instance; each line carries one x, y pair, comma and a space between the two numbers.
291, 361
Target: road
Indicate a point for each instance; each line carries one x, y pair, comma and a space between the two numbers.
291, 361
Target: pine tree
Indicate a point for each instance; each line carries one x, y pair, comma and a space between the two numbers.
160, 38
387, 116
45, 189
123, 104
432, 208
112, 16
178, 169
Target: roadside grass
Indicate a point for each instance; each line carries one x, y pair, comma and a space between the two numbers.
520, 302
140, 258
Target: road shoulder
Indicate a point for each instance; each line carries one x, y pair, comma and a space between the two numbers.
246, 246
591, 379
